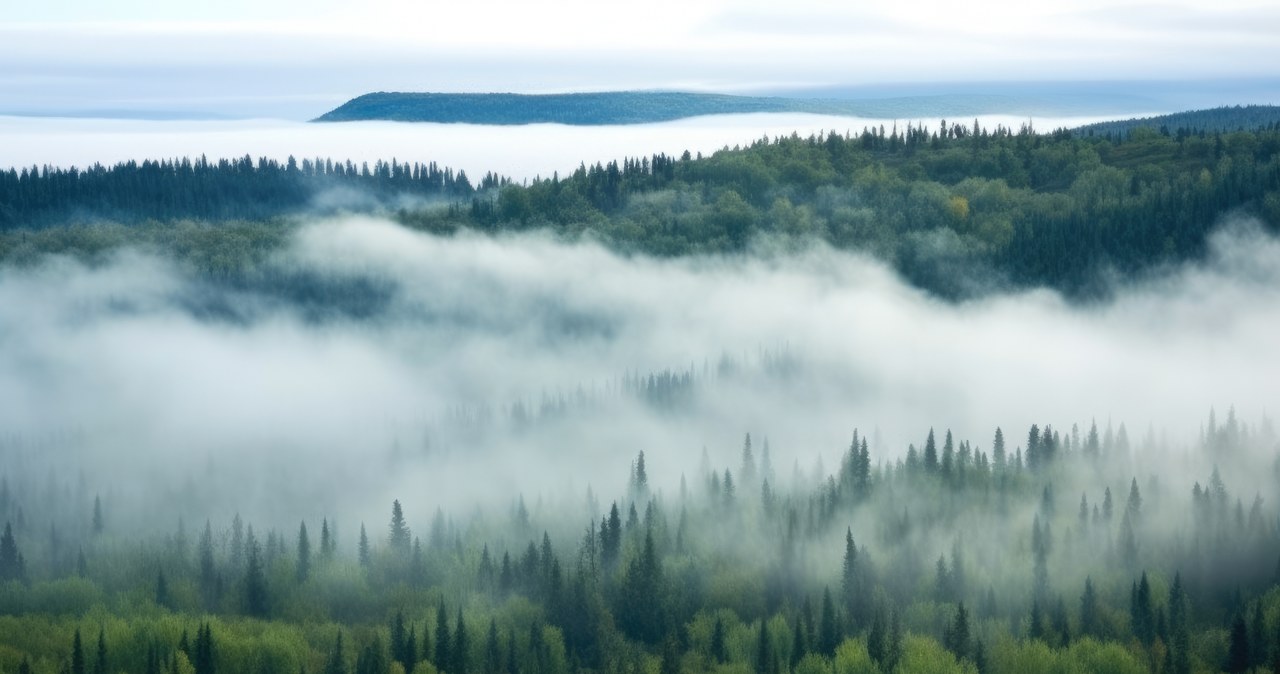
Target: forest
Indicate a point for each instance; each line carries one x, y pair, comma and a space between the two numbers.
1055, 549
959, 210
895, 401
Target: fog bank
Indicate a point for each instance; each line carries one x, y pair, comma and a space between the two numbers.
488, 367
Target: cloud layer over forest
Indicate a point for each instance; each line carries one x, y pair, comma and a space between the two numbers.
480, 367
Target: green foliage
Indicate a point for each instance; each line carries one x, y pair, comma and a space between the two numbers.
957, 213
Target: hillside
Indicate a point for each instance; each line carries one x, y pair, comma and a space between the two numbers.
1215, 120
640, 107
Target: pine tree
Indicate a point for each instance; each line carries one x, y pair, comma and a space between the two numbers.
303, 570
208, 572
1238, 656
255, 581
98, 524
443, 659
11, 563
849, 581
162, 590
399, 642
956, 638
366, 557
829, 631
930, 454
492, 650
203, 661
100, 663
399, 538
461, 651
77, 654
764, 650
1089, 613
326, 540
718, 653
337, 663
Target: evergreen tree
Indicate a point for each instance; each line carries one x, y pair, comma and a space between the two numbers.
98, 523
366, 556
1141, 611
399, 538
718, 653
764, 650
956, 638
12, 566
326, 540
77, 655
461, 651
100, 663
208, 572
163, 600
748, 463
303, 569
399, 642
1238, 656
337, 663
203, 661
829, 630
255, 580
492, 650
443, 659
1089, 613
930, 454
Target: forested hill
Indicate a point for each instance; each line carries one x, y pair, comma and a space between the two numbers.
1216, 120
640, 107
957, 213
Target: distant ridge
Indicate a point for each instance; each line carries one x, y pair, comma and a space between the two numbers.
641, 107
1223, 119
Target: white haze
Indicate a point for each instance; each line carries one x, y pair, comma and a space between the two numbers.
517, 152
283, 416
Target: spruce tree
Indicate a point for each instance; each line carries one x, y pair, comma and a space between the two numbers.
303, 569
399, 538
77, 654
366, 557
255, 580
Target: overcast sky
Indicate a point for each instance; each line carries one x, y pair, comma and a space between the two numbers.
296, 59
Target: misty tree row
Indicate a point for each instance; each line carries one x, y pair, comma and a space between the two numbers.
958, 210
950, 557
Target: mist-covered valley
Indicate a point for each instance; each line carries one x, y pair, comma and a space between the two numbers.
505, 391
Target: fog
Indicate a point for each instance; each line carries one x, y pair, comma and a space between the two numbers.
480, 369
518, 152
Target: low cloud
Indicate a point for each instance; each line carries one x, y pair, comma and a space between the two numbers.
481, 367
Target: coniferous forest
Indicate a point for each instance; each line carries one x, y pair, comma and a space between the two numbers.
959, 210
1079, 548
583, 424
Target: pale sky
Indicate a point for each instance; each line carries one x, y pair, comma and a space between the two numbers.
297, 58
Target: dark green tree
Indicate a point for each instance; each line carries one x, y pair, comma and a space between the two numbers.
366, 556
956, 636
255, 580
930, 453
337, 663
303, 569
399, 538
444, 643
77, 654
100, 662
1238, 657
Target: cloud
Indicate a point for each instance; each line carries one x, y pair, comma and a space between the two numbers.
482, 367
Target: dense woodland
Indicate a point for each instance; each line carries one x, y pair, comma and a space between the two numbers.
1080, 550
1075, 546
958, 212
